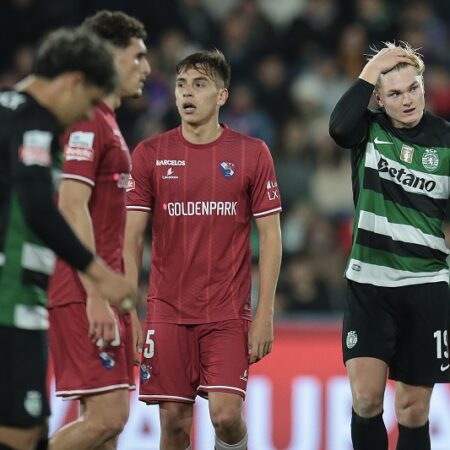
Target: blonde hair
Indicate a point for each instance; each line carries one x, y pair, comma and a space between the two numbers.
411, 53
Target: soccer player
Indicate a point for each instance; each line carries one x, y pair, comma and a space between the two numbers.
73, 70
397, 309
99, 368
202, 183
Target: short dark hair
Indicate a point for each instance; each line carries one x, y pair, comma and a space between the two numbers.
67, 50
116, 27
211, 61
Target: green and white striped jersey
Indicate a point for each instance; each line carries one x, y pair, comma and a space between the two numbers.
401, 182
29, 137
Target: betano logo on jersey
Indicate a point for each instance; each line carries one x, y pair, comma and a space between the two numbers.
170, 162
201, 208
407, 179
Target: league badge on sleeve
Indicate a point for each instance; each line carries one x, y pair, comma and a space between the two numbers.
36, 148
80, 147
228, 169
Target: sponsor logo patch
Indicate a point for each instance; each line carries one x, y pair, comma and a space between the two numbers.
36, 148
170, 175
170, 162
131, 185
379, 141
122, 180
402, 176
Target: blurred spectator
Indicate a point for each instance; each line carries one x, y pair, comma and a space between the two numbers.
242, 114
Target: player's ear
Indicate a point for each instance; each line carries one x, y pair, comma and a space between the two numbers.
223, 97
74, 79
377, 98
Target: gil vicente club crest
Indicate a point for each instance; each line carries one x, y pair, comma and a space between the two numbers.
430, 159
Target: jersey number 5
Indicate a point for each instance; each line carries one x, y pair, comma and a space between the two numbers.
149, 349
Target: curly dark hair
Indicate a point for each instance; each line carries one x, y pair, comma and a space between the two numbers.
213, 62
116, 27
67, 50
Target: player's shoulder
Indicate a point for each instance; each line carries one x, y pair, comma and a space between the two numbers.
21, 114
438, 123
249, 143
152, 143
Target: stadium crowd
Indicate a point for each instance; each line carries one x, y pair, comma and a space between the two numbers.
291, 61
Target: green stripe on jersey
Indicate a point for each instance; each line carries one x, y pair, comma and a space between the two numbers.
393, 261
403, 215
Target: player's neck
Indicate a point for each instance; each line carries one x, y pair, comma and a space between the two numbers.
113, 101
44, 92
201, 134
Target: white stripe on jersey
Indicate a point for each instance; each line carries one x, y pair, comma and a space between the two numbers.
440, 191
139, 208
399, 232
387, 276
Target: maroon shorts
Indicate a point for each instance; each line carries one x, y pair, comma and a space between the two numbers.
81, 368
181, 361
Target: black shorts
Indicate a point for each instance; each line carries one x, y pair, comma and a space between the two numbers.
407, 327
23, 393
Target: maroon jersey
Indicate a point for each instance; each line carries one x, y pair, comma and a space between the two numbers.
96, 154
202, 199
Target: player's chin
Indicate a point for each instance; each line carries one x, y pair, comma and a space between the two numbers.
137, 93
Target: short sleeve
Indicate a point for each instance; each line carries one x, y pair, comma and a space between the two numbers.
265, 195
82, 152
140, 185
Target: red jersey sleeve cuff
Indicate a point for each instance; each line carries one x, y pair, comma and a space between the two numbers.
138, 208
81, 179
268, 212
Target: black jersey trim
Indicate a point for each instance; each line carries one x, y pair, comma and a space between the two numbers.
386, 243
431, 207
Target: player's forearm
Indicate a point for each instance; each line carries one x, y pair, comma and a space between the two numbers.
269, 269
133, 251
78, 217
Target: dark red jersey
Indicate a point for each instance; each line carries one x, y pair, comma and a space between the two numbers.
96, 154
202, 199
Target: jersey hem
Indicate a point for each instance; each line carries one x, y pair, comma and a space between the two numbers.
78, 393
399, 283
152, 399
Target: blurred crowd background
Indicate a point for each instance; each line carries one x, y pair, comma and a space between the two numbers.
291, 61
